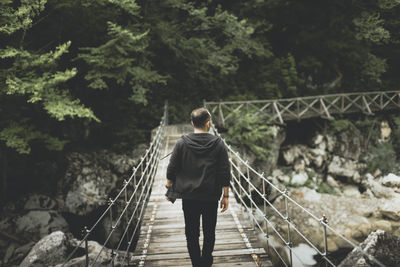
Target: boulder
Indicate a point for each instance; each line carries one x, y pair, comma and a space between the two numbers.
332, 182
94, 249
344, 168
280, 176
50, 250
299, 178
391, 180
379, 244
33, 225
39, 202
391, 209
318, 156
330, 143
91, 177
353, 217
351, 191
37, 224
377, 189
294, 152
348, 145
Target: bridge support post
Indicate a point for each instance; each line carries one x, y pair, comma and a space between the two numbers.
126, 213
265, 225
85, 231
324, 221
221, 118
136, 194
249, 192
111, 203
289, 242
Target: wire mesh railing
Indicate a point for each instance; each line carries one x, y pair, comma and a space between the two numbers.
277, 222
124, 212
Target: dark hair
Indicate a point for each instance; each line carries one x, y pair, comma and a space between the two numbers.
199, 117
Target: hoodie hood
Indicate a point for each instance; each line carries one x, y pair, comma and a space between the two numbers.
201, 142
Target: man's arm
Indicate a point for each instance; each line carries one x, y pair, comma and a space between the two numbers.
173, 167
225, 199
224, 174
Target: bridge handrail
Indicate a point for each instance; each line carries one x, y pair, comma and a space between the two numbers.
297, 108
301, 97
239, 189
145, 170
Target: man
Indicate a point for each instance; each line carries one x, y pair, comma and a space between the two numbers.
199, 170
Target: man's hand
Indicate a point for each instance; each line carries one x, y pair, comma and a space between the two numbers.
224, 204
169, 184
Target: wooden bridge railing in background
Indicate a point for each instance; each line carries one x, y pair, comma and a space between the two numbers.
325, 106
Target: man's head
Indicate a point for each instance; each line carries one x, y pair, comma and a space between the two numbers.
201, 118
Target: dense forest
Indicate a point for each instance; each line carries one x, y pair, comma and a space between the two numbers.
79, 75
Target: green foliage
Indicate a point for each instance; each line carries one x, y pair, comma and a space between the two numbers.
324, 188
251, 132
396, 134
370, 27
19, 136
286, 81
121, 60
338, 126
383, 157
15, 19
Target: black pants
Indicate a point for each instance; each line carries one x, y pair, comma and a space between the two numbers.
192, 209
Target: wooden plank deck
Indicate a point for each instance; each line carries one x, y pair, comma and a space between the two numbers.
162, 240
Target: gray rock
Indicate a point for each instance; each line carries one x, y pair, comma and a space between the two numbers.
391, 180
352, 217
37, 224
299, 178
21, 252
351, 191
330, 142
332, 182
348, 145
94, 249
9, 252
91, 177
391, 209
379, 244
40, 202
318, 139
292, 154
342, 167
50, 250
376, 188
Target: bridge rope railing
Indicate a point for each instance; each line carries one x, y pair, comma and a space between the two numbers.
325, 106
132, 198
255, 200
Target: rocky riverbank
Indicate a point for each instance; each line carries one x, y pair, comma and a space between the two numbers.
89, 180
331, 174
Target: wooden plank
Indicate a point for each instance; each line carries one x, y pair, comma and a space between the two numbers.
239, 260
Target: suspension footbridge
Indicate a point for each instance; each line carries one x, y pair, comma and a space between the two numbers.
146, 230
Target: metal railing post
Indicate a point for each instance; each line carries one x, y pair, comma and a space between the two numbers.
249, 192
127, 203
111, 203
289, 242
85, 231
324, 221
265, 225
240, 185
